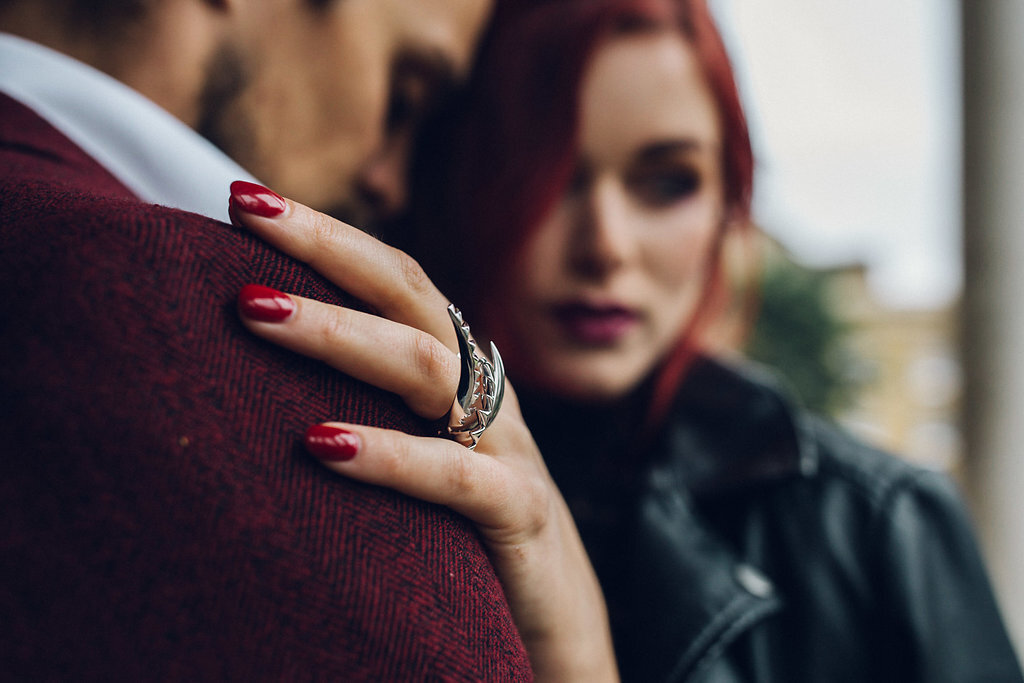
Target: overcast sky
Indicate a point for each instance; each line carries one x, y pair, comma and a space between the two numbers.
854, 109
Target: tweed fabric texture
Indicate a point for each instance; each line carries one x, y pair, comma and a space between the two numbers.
159, 519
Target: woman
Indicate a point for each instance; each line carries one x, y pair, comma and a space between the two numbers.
602, 159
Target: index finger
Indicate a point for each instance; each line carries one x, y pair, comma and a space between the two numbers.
386, 278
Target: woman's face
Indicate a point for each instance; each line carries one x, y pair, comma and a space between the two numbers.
603, 289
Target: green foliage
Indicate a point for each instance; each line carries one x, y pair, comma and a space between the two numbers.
799, 335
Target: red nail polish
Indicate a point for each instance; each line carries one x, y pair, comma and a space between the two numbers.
332, 444
264, 304
256, 199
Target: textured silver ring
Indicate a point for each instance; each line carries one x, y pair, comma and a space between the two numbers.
481, 387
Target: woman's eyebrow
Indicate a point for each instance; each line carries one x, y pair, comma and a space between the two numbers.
657, 151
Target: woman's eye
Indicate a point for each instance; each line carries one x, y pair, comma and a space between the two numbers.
403, 108
410, 98
660, 188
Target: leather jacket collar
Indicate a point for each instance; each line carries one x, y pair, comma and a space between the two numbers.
677, 593
738, 428
689, 593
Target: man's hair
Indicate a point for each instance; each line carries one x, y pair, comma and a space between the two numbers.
98, 16
104, 16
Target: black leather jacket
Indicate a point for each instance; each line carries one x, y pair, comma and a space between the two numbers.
752, 542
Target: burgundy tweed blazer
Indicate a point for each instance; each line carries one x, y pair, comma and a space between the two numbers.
159, 519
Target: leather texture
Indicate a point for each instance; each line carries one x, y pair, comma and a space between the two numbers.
159, 518
750, 542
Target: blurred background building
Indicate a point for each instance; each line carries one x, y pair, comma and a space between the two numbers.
890, 144
893, 376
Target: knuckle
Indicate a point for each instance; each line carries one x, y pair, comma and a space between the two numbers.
323, 233
433, 360
534, 499
460, 475
333, 328
390, 457
413, 280
435, 368
522, 506
392, 292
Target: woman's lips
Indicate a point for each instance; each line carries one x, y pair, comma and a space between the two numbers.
595, 325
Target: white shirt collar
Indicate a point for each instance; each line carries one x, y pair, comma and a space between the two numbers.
154, 154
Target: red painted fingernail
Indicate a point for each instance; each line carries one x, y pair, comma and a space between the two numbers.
332, 444
256, 199
264, 304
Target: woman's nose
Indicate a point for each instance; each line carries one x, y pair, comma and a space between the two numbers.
604, 239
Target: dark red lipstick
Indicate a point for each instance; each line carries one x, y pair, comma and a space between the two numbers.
595, 325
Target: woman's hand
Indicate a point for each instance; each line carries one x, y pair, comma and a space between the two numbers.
503, 486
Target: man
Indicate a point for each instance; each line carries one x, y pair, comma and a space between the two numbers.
159, 518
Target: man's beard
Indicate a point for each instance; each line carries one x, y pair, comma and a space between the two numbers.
219, 121
224, 123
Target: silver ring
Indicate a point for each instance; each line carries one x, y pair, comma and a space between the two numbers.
481, 387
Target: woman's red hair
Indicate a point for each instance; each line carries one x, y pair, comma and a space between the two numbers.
509, 149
